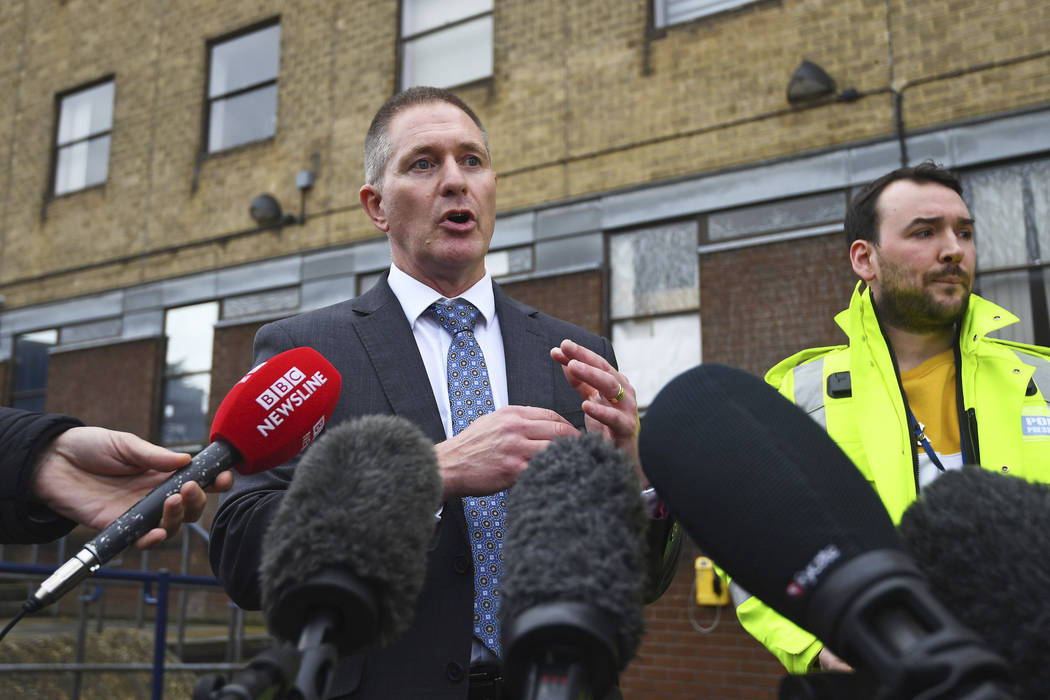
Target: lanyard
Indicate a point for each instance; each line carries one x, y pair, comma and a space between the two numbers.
921, 439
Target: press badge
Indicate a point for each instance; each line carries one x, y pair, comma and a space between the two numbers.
1035, 423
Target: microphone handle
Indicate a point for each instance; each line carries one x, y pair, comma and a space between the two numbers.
554, 679
133, 524
268, 675
144, 515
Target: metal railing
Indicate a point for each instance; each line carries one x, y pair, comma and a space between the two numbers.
164, 582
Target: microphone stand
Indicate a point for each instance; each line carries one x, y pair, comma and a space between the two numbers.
560, 651
269, 674
282, 672
333, 612
318, 656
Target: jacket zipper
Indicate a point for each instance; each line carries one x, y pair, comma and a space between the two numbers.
967, 416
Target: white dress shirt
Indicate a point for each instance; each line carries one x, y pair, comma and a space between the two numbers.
433, 341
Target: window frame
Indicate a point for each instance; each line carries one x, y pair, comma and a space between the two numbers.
56, 146
14, 394
1038, 279
167, 376
658, 12
208, 100
611, 320
402, 40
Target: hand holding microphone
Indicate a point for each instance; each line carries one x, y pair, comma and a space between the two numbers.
271, 414
91, 475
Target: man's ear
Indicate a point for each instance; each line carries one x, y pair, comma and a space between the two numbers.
864, 257
371, 202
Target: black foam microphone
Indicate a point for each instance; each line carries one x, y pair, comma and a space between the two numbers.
345, 555
763, 490
981, 539
574, 576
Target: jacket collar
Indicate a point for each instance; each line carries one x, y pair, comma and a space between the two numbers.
982, 317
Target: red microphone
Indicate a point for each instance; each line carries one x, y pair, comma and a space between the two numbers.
269, 416
277, 409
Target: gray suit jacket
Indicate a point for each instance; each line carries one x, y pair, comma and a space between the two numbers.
370, 342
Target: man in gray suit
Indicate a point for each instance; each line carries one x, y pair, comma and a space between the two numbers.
430, 186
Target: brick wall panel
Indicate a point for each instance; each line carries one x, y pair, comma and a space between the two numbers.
231, 358
113, 386
758, 305
678, 662
575, 298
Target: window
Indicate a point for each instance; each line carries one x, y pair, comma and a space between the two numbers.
85, 120
655, 304
811, 212
187, 374
667, 12
445, 43
242, 87
31, 353
1011, 205
509, 261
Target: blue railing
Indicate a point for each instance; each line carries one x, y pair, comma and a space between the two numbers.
163, 581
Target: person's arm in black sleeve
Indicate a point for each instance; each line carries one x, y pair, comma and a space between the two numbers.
24, 436
245, 511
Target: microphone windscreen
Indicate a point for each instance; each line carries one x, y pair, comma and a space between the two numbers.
278, 408
759, 485
363, 500
575, 527
983, 541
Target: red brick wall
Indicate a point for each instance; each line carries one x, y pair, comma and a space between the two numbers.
575, 298
760, 304
231, 357
114, 386
676, 662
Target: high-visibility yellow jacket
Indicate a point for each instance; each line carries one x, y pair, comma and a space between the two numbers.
854, 392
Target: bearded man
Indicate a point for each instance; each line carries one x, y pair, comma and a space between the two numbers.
919, 389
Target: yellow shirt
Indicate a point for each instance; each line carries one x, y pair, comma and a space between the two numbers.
930, 389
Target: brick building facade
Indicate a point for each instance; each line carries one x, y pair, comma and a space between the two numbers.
656, 185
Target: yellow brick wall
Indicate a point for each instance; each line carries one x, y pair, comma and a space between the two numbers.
954, 60
585, 98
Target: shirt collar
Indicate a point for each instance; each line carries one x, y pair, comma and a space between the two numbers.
415, 297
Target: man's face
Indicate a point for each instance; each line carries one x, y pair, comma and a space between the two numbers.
438, 198
921, 271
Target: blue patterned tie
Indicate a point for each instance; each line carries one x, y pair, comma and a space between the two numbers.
470, 396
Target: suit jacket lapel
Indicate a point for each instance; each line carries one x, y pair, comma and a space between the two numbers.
527, 351
387, 338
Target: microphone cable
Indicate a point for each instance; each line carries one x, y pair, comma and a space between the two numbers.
12, 623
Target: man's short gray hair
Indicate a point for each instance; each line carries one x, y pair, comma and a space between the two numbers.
377, 142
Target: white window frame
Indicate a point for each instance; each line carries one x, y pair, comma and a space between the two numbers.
413, 32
